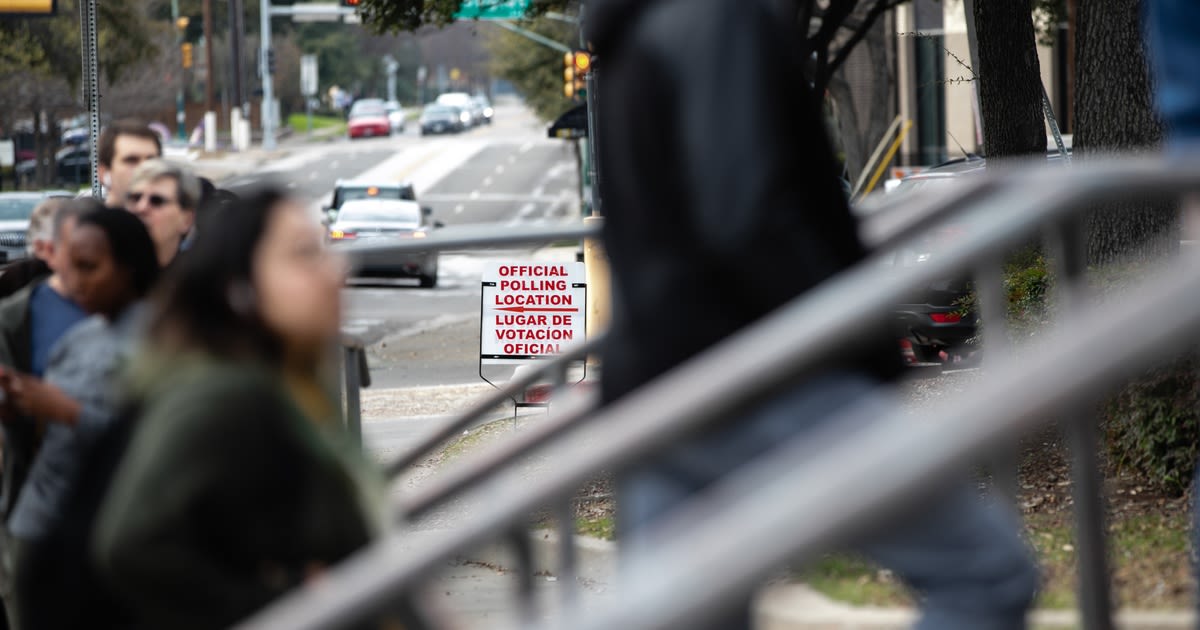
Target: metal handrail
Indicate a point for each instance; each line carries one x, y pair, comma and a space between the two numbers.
474, 237
771, 503
736, 373
485, 404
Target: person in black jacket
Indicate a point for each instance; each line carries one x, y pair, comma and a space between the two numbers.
722, 203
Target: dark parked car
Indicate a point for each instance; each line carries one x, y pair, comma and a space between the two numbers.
380, 220
443, 119
74, 167
933, 318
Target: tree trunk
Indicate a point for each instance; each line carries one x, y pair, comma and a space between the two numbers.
1010, 92
1114, 112
872, 107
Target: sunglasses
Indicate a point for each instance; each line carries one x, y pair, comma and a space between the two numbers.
155, 201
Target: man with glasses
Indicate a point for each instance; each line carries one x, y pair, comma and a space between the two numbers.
124, 145
164, 196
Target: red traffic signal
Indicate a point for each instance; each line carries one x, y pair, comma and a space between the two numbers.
351, 3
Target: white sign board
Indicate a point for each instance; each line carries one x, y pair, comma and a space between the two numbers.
308, 75
8, 153
531, 311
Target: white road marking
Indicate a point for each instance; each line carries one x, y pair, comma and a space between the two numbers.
526, 147
538, 192
474, 194
487, 181
499, 169
512, 159
458, 209
334, 164
313, 175
291, 184
489, 197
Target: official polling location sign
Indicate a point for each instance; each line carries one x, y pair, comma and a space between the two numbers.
531, 311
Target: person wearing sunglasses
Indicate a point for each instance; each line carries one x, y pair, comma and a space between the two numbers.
164, 196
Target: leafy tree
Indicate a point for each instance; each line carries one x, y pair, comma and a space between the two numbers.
393, 16
535, 70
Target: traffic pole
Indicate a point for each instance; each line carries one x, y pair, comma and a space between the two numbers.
268, 90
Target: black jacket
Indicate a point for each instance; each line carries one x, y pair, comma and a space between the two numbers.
719, 187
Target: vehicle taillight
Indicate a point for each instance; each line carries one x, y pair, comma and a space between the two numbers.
339, 235
945, 318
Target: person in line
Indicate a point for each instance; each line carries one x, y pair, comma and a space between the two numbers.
113, 265
235, 486
124, 145
31, 321
723, 200
164, 195
39, 246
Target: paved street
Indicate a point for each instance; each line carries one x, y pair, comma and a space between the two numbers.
507, 173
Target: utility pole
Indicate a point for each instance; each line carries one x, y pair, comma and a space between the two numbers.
210, 101
180, 115
268, 88
235, 51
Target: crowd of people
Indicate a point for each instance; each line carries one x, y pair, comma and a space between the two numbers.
171, 457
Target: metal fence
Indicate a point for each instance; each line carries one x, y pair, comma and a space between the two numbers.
797, 505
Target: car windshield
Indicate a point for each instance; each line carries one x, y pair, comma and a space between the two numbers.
17, 209
404, 215
435, 110
367, 109
352, 193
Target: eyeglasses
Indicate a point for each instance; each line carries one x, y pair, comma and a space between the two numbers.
155, 201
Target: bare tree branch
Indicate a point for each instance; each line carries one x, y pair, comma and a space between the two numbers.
881, 7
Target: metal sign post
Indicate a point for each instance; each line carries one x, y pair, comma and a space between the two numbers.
91, 85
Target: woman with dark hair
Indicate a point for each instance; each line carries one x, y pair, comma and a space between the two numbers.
111, 265
234, 487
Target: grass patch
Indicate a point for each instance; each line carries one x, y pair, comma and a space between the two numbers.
299, 122
1148, 559
603, 527
851, 579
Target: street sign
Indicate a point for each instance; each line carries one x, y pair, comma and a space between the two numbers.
492, 10
308, 75
531, 311
28, 8
8, 153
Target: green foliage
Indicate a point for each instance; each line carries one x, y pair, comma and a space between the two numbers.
1152, 425
51, 46
1027, 286
392, 16
1047, 15
535, 70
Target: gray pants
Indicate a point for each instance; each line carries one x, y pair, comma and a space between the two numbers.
966, 560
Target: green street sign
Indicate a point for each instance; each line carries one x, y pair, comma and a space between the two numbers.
492, 10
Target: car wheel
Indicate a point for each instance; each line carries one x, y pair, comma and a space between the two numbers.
429, 282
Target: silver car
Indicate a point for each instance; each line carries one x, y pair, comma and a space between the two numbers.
381, 220
15, 210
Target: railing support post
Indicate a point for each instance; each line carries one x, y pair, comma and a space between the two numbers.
1095, 597
354, 382
993, 304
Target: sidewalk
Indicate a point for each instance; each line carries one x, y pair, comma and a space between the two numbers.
780, 606
225, 163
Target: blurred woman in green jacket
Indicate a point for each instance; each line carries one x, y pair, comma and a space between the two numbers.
235, 487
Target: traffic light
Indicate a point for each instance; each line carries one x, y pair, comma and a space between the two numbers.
185, 50
569, 75
351, 3
271, 61
576, 65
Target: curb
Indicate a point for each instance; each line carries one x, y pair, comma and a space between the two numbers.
790, 606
